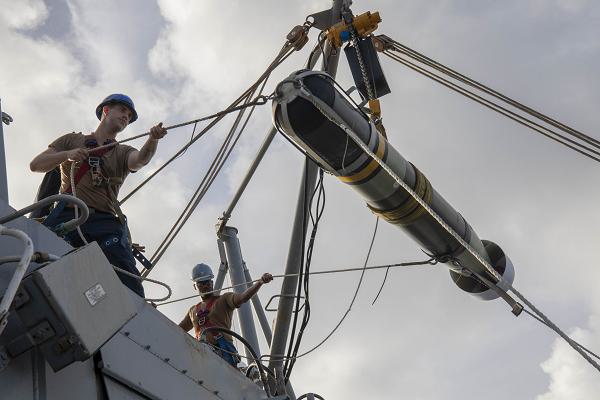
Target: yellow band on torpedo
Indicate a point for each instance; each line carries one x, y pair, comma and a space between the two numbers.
366, 171
409, 211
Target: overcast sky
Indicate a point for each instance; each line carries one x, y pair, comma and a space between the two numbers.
424, 338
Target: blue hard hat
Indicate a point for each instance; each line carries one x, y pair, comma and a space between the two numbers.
120, 99
202, 272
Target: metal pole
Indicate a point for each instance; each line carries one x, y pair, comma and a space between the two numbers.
3, 171
222, 267
259, 310
259, 156
236, 272
293, 265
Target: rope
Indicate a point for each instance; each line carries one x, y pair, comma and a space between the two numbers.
211, 174
284, 53
396, 46
333, 117
526, 311
117, 269
430, 261
258, 101
75, 206
561, 139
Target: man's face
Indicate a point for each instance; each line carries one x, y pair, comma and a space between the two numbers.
204, 286
118, 116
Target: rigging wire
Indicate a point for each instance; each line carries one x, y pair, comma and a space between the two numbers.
284, 53
526, 311
391, 45
430, 261
206, 183
218, 162
576, 146
458, 76
320, 208
260, 100
381, 287
363, 269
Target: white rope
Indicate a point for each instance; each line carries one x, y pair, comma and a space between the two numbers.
117, 269
331, 115
76, 208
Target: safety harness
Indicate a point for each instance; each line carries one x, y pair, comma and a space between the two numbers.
94, 165
202, 317
224, 347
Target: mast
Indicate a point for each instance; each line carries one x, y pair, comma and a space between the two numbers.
3, 180
296, 249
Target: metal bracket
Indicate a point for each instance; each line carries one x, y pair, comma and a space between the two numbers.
517, 307
322, 20
7, 119
283, 295
141, 258
41, 332
21, 298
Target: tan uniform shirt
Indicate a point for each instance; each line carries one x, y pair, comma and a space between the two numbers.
114, 167
220, 315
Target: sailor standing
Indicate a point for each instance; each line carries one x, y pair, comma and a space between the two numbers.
98, 176
217, 311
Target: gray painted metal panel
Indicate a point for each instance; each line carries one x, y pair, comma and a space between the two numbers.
30, 377
77, 381
16, 381
153, 355
117, 391
89, 299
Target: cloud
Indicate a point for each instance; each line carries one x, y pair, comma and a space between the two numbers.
571, 377
26, 14
184, 59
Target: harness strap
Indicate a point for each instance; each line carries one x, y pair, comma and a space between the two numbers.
209, 305
85, 167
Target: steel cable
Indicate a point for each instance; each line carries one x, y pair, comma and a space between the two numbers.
209, 177
396, 46
502, 110
430, 261
285, 52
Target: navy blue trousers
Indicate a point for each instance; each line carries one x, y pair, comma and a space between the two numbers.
111, 235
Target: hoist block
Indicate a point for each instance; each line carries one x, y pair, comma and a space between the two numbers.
364, 24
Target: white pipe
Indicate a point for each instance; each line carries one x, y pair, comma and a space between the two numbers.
24, 261
69, 225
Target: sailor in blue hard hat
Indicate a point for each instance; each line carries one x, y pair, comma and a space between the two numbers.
98, 176
217, 311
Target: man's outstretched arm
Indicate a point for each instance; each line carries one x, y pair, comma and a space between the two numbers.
139, 159
239, 299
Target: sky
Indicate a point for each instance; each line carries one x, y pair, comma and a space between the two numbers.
423, 338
